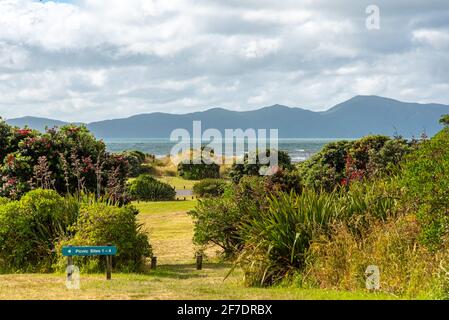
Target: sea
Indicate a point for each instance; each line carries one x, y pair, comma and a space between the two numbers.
299, 149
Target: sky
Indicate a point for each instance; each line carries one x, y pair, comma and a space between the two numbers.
89, 60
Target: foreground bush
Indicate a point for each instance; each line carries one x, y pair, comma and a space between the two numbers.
34, 229
30, 227
407, 269
209, 188
147, 188
277, 239
425, 180
101, 224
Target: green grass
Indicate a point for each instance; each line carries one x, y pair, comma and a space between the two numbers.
158, 207
178, 182
170, 229
167, 282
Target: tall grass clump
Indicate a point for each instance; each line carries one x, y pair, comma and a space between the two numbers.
407, 268
276, 239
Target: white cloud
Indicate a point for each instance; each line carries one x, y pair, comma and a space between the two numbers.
93, 59
438, 39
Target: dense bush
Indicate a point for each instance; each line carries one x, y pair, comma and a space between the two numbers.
147, 188
425, 179
102, 224
374, 201
261, 214
137, 163
29, 228
69, 160
34, 228
209, 188
254, 167
198, 171
342, 162
218, 221
277, 236
283, 181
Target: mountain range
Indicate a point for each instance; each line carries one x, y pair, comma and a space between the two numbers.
356, 117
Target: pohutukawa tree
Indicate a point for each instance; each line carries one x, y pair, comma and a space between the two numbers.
68, 160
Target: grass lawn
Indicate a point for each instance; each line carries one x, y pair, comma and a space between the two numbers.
170, 230
158, 207
178, 182
167, 282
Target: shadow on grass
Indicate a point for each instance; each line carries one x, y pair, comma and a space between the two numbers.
186, 271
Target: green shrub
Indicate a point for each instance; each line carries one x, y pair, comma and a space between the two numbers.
339, 163
29, 228
248, 168
147, 188
209, 188
102, 224
198, 171
3, 201
363, 202
136, 161
425, 180
218, 221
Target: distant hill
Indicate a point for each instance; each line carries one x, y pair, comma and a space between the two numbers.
36, 123
354, 118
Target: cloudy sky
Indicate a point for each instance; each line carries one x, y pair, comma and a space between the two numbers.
87, 60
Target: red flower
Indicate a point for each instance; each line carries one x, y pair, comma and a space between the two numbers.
10, 159
23, 132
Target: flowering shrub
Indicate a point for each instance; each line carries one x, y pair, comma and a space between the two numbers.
339, 163
69, 160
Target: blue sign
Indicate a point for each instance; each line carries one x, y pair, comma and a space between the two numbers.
89, 251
